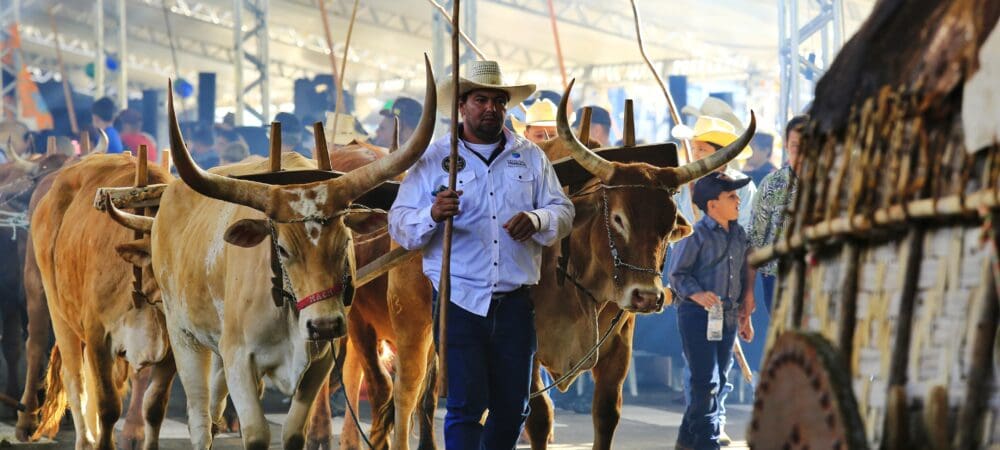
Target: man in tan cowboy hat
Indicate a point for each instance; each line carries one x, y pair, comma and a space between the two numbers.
512, 206
539, 121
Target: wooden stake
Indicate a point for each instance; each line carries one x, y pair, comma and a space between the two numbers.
165, 160
444, 298
50, 145
275, 155
628, 138
141, 180
84, 143
585, 124
322, 154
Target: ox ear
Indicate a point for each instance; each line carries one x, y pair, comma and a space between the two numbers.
247, 232
682, 229
366, 222
136, 253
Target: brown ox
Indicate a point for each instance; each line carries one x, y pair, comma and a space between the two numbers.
18, 179
216, 299
632, 206
95, 316
395, 308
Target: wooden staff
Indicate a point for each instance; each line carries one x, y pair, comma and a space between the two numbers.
338, 107
685, 145
444, 13
445, 292
329, 45
67, 92
555, 36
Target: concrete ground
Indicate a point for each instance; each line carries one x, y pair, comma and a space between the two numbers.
649, 421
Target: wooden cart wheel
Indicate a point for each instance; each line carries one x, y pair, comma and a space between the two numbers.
804, 398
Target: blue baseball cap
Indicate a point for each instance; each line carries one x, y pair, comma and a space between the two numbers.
712, 185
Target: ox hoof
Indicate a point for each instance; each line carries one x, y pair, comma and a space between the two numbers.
130, 442
319, 443
26, 426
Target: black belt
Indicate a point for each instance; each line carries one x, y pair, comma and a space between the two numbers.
521, 290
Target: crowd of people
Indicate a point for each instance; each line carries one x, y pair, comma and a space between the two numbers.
732, 211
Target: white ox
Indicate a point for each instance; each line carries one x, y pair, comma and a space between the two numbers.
218, 297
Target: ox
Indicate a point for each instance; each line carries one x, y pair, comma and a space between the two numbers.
96, 316
393, 308
216, 300
18, 179
625, 217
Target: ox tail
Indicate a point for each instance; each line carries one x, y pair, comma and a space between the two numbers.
387, 414
54, 407
428, 403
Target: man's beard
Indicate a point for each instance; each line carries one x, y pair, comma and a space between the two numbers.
488, 132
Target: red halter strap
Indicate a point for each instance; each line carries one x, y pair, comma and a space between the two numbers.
319, 296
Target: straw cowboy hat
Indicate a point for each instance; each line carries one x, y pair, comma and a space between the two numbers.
480, 75
713, 130
345, 129
542, 113
716, 107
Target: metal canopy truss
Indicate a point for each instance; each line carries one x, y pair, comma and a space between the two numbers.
798, 68
258, 57
10, 58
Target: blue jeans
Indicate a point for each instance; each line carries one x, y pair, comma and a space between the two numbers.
709, 362
768, 283
489, 367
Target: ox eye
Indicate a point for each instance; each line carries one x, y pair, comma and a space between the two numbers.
619, 222
282, 252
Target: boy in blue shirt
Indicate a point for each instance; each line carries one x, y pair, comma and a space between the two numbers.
708, 268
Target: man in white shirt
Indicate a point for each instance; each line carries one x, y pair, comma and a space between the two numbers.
508, 206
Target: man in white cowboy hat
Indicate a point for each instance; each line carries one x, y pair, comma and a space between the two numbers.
511, 207
540, 121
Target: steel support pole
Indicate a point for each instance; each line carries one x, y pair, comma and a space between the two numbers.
257, 55
122, 55
99, 51
238, 59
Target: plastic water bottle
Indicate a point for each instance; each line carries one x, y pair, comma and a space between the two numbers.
715, 319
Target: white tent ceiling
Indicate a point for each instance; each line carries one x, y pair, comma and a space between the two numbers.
713, 38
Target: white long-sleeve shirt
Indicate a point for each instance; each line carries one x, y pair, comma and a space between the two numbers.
484, 258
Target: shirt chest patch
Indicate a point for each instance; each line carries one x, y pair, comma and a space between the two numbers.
459, 163
516, 163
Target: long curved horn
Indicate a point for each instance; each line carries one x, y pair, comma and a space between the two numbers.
133, 222
597, 166
16, 159
243, 192
364, 179
697, 169
102, 142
